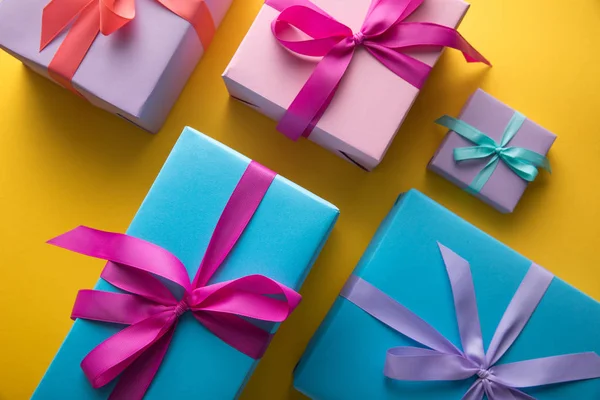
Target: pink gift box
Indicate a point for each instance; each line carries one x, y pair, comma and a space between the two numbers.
504, 188
371, 102
136, 73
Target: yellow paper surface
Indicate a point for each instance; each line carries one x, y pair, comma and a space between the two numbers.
64, 163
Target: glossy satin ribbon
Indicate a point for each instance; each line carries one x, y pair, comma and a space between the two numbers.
151, 311
443, 361
522, 162
385, 35
87, 18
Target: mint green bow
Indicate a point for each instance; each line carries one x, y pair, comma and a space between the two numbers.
522, 161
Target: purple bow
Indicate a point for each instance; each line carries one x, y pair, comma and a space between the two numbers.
385, 35
443, 361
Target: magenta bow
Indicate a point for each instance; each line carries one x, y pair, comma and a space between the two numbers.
151, 310
385, 34
443, 361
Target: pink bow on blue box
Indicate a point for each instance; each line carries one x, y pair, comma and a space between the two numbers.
437, 309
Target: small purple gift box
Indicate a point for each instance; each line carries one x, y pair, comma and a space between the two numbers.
492, 151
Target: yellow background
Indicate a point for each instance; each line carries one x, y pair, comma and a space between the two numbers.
64, 163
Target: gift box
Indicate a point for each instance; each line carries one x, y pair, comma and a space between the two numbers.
495, 153
396, 333
186, 204
136, 68
353, 100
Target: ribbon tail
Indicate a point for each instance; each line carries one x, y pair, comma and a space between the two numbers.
317, 92
418, 364
135, 381
57, 15
73, 49
548, 370
519, 311
476, 391
528, 157
484, 175
522, 169
423, 35
128, 251
465, 304
111, 357
240, 334
116, 308
408, 68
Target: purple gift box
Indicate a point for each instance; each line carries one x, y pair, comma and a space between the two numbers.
136, 73
504, 188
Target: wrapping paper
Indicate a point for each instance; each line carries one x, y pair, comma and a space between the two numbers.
179, 214
136, 73
504, 188
371, 102
346, 357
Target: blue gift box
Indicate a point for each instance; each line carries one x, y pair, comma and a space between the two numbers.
346, 357
180, 213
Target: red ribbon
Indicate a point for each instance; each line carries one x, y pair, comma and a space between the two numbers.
90, 17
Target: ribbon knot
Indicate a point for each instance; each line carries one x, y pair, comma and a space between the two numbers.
358, 38
483, 374
181, 308
441, 360
147, 306
389, 37
521, 161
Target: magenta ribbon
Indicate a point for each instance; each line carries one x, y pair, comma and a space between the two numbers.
385, 35
442, 361
152, 311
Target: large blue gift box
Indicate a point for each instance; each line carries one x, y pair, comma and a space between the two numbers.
346, 357
180, 213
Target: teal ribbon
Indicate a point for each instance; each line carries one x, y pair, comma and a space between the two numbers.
522, 162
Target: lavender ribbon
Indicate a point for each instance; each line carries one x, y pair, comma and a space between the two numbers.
443, 361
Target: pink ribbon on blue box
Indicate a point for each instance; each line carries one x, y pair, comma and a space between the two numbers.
151, 311
384, 34
440, 360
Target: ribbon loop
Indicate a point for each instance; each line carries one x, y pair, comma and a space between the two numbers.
115, 14
324, 32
